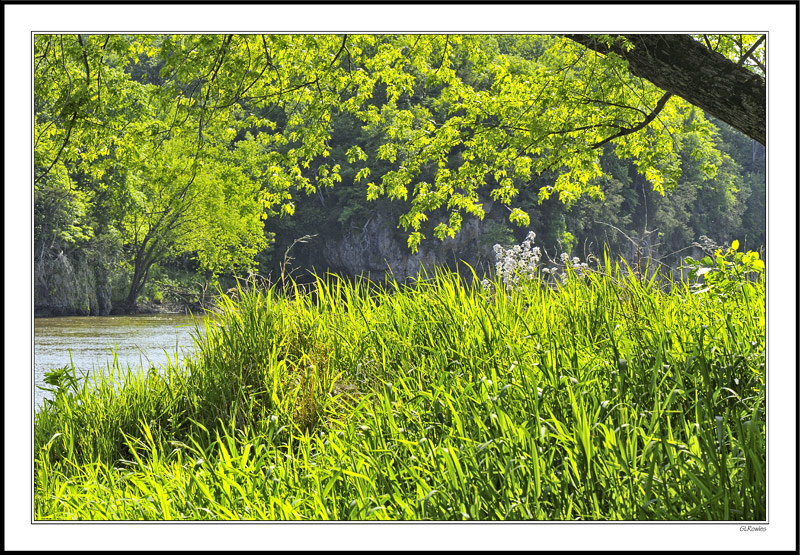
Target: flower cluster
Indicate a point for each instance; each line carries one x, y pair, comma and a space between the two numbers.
522, 263
518, 262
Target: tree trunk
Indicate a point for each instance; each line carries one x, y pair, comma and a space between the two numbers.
685, 67
140, 272
133, 294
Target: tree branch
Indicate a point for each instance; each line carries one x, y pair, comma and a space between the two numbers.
641, 125
752, 49
217, 66
444, 54
339, 53
85, 59
60, 150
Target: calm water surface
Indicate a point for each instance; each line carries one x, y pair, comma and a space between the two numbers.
141, 339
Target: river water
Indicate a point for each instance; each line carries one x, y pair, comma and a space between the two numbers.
140, 339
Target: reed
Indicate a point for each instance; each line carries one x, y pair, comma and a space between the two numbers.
605, 397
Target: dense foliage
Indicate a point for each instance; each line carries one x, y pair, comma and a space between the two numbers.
602, 396
158, 150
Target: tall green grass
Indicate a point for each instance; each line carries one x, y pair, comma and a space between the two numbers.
605, 398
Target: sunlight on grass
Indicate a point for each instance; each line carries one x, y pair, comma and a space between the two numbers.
601, 398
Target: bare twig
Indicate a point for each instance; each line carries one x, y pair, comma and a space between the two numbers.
287, 260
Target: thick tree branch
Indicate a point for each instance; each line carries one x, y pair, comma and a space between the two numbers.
685, 67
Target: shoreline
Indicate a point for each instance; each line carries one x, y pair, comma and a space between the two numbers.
144, 307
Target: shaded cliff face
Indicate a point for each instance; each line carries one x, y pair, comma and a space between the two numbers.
377, 251
380, 251
69, 285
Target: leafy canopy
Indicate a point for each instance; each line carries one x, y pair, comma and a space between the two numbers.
219, 130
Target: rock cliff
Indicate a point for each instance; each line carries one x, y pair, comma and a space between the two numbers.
70, 285
379, 250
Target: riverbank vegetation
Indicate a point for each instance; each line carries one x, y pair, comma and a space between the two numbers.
590, 391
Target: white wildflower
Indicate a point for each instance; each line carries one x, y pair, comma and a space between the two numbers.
518, 262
